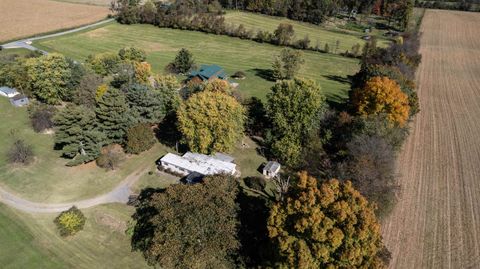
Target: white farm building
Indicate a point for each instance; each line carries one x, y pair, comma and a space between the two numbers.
199, 163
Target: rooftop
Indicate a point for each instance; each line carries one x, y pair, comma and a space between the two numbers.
272, 167
206, 165
208, 71
8, 90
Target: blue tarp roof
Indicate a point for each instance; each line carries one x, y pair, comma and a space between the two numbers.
208, 71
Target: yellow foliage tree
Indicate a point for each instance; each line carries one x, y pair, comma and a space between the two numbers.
101, 90
143, 71
328, 225
218, 85
382, 95
211, 122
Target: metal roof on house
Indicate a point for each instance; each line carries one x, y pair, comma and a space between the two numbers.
223, 157
8, 90
272, 167
200, 163
19, 97
209, 71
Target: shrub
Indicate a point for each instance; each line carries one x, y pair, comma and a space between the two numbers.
41, 116
110, 157
132, 54
20, 153
256, 183
284, 34
139, 138
239, 75
70, 222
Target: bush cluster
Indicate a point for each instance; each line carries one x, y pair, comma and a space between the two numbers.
70, 222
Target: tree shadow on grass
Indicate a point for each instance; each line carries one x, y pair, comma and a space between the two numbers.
256, 248
266, 74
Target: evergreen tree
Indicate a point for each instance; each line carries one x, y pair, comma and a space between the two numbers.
112, 114
183, 62
77, 134
146, 106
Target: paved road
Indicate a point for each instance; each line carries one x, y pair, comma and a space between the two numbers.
23, 43
119, 194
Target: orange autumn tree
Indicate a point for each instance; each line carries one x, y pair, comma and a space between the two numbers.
328, 225
382, 95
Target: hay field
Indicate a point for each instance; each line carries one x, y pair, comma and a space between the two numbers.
436, 223
24, 18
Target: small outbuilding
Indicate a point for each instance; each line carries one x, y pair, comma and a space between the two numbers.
8, 92
19, 100
271, 169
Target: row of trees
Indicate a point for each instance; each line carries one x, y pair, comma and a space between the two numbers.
214, 224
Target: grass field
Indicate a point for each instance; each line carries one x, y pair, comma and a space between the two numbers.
32, 241
48, 179
231, 53
320, 34
24, 18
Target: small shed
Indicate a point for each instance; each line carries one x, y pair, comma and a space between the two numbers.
8, 92
19, 100
271, 169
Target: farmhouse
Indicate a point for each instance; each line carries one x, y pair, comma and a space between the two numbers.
19, 100
207, 73
8, 92
271, 169
199, 163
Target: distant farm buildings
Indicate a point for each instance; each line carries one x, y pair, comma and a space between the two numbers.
15, 97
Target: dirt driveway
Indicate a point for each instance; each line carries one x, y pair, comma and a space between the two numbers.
436, 223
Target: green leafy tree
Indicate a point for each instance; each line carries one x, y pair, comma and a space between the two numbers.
70, 222
86, 90
183, 62
168, 86
293, 107
104, 63
327, 225
284, 34
48, 76
132, 54
146, 106
189, 226
287, 64
112, 115
140, 138
211, 122
77, 134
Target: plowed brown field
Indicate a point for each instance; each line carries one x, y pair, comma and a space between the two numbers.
436, 223
22, 18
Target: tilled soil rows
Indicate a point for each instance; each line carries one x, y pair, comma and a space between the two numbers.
436, 223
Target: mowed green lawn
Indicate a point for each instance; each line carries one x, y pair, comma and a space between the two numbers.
318, 34
32, 241
233, 54
48, 179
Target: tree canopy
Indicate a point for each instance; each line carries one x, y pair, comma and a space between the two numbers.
293, 107
382, 95
189, 226
327, 225
48, 76
112, 115
211, 122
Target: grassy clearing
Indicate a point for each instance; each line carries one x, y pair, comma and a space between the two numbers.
317, 33
231, 53
48, 179
32, 241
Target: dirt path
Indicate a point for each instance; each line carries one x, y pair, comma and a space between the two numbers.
436, 223
119, 194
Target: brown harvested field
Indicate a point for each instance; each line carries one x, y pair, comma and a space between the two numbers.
23, 18
436, 223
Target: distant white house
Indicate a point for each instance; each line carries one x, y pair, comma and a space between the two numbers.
199, 163
8, 92
271, 169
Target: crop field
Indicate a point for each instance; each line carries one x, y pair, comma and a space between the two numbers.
105, 3
24, 18
233, 54
436, 223
318, 34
